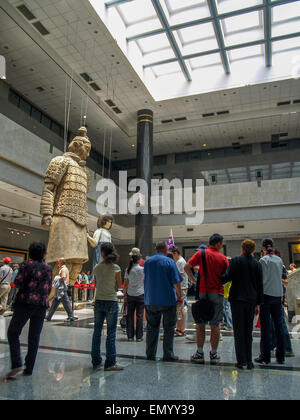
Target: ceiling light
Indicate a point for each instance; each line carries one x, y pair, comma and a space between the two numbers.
204, 145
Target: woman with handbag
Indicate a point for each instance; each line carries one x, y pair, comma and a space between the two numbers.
134, 292
34, 281
108, 282
245, 296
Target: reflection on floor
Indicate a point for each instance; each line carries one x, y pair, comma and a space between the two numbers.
63, 369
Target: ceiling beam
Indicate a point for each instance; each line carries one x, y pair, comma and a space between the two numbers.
163, 19
116, 2
267, 32
219, 34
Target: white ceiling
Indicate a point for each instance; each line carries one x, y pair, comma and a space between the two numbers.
79, 42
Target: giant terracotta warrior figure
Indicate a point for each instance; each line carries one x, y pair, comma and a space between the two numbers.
64, 206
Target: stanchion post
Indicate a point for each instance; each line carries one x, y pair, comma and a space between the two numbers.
73, 298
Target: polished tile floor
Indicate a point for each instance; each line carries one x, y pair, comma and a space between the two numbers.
63, 370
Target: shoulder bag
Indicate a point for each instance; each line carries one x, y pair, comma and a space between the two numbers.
203, 309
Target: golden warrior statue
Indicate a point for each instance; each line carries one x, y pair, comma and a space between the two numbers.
64, 206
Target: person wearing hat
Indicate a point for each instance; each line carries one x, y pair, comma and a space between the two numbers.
136, 251
5, 280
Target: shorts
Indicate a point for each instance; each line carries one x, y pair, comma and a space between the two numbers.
179, 308
217, 299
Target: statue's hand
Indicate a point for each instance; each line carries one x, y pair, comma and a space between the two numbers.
46, 221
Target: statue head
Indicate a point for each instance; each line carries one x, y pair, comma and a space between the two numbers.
105, 221
81, 145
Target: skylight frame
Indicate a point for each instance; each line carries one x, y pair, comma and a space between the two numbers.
165, 12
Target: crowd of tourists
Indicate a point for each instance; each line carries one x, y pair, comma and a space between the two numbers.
156, 289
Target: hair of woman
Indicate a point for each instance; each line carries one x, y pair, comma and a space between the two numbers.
110, 253
37, 251
248, 247
133, 260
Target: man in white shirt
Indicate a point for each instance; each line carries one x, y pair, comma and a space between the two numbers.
181, 313
60, 284
5, 280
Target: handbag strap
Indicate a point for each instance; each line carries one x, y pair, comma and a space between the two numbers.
204, 266
2, 280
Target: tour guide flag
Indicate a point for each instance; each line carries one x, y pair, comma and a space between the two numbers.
171, 240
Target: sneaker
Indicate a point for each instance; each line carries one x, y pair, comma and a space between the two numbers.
191, 338
114, 368
260, 361
130, 339
14, 373
214, 358
171, 359
280, 362
225, 328
250, 366
138, 340
289, 353
74, 318
198, 358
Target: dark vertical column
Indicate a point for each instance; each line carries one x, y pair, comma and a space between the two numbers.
143, 222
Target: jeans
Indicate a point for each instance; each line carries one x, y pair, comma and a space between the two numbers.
22, 314
272, 306
66, 304
154, 314
227, 313
287, 338
135, 304
243, 316
105, 309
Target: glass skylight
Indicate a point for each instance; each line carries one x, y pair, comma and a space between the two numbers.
225, 6
137, 11
162, 37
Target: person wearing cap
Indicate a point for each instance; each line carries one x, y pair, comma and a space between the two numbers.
136, 251
272, 268
5, 280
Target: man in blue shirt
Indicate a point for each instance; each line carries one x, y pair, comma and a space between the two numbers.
162, 294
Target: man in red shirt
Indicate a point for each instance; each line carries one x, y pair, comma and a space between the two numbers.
216, 264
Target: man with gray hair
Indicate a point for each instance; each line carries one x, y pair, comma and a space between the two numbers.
60, 284
162, 294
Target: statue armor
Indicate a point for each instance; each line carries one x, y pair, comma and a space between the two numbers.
71, 182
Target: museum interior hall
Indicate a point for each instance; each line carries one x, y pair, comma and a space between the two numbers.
152, 127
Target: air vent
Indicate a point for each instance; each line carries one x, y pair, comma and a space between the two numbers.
241, 226
188, 144
41, 28
241, 138
222, 112
284, 134
26, 12
117, 110
166, 121
110, 102
40, 89
210, 114
296, 101
284, 103
190, 229
180, 119
86, 77
95, 86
